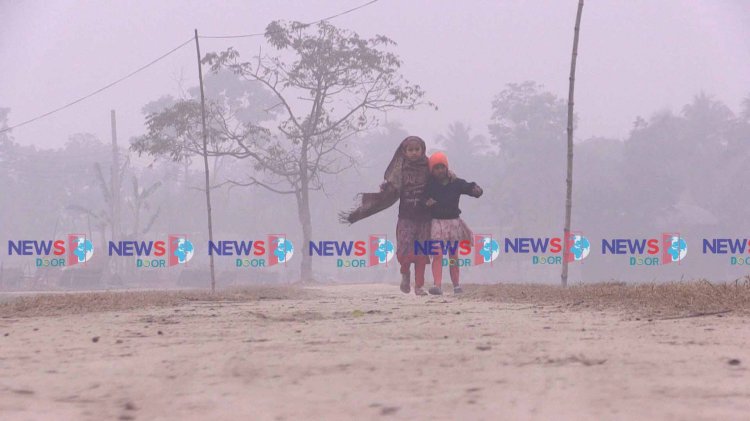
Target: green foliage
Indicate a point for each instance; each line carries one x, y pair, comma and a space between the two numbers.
338, 75
528, 125
235, 110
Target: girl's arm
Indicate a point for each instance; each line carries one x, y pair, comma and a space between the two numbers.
472, 189
429, 193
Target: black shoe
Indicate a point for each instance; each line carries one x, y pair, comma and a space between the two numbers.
435, 291
457, 290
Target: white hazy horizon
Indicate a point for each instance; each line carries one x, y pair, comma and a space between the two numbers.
635, 57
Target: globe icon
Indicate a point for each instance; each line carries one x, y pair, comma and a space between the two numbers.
677, 248
284, 250
490, 249
84, 250
184, 250
580, 247
384, 251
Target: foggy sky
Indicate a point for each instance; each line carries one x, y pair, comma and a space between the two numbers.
635, 58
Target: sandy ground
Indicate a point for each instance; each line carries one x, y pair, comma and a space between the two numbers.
370, 352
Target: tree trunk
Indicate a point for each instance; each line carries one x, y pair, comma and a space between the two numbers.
137, 223
569, 178
303, 207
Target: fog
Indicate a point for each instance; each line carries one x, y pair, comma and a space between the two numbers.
662, 106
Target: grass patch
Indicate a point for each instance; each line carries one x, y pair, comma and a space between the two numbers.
89, 302
672, 299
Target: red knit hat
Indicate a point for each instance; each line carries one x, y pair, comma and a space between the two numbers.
438, 158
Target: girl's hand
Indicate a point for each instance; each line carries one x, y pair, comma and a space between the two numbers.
477, 191
430, 202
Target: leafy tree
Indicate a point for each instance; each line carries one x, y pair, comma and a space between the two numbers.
235, 108
673, 161
328, 83
464, 146
528, 125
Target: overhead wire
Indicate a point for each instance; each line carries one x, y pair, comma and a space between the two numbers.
163, 56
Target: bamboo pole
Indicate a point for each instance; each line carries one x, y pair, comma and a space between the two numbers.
569, 178
205, 163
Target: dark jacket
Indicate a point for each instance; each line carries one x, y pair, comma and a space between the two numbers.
447, 196
411, 202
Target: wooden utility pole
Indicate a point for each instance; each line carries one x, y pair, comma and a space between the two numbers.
569, 178
205, 162
115, 187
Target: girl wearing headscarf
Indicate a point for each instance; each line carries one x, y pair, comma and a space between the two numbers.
405, 180
443, 193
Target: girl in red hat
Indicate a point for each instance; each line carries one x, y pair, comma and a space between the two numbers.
443, 193
405, 181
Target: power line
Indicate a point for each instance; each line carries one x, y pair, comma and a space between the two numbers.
98, 90
260, 34
9, 128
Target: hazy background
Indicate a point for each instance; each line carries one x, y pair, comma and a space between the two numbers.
680, 168
636, 56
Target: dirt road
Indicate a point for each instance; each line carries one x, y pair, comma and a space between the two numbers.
370, 352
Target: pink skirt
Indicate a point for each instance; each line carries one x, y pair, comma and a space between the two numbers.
450, 230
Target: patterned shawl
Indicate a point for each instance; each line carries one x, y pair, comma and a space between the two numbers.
399, 169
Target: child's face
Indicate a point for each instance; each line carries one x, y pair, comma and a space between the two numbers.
413, 150
440, 172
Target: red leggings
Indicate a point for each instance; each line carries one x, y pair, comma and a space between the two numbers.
420, 263
437, 270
